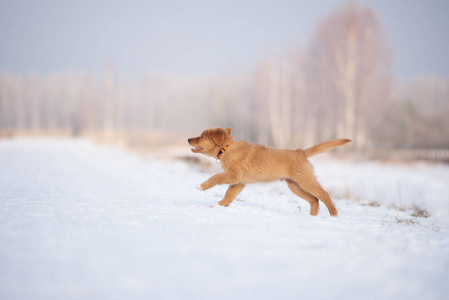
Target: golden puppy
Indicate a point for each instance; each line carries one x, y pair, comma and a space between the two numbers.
249, 163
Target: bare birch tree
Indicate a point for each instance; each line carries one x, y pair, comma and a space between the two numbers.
109, 102
275, 86
351, 60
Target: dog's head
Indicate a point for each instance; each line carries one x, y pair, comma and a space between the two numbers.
211, 141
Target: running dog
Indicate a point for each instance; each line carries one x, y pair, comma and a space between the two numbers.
245, 163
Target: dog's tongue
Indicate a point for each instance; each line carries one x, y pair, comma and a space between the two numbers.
196, 149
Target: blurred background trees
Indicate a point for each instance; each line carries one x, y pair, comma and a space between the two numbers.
340, 85
350, 65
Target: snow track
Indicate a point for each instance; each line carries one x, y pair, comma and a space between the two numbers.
81, 221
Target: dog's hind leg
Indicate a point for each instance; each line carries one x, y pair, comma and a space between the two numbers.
313, 187
307, 181
296, 189
231, 193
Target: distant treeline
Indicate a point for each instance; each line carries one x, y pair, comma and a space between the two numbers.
339, 86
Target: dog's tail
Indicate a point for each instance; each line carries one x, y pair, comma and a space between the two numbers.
324, 147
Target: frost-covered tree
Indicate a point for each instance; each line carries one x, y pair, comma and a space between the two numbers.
350, 66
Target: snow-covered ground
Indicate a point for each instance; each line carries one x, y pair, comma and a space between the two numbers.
82, 221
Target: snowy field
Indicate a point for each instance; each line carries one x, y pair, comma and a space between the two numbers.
82, 221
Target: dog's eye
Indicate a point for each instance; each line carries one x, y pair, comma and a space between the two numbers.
202, 137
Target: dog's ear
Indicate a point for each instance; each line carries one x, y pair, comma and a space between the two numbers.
218, 135
228, 130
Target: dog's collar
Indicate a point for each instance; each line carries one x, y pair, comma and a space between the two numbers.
222, 150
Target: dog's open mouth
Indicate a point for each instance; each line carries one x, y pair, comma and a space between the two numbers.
197, 149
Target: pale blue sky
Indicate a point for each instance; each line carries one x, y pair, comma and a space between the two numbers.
200, 38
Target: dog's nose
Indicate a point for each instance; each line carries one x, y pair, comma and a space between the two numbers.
189, 140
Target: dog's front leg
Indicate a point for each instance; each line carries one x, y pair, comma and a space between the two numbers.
231, 193
220, 178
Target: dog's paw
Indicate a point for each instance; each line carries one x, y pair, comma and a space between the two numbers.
199, 187
215, 205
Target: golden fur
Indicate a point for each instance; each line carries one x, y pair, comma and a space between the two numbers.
245, 163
